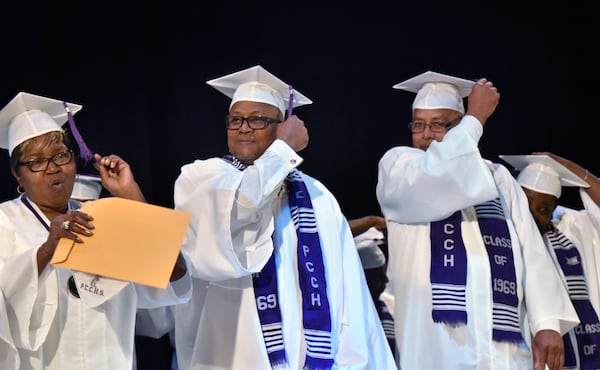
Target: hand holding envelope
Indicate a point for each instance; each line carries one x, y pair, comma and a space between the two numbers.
132, 241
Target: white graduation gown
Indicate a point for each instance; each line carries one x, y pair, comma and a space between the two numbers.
238, 219
9, 356
582, 227
54, 330
416, 187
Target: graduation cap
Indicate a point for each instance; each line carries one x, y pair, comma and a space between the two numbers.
437, 91
258, 85
86, 187
28, 115
367, 244
543, 174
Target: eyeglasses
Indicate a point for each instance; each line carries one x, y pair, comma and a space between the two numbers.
435, 127
254, 122
41, 164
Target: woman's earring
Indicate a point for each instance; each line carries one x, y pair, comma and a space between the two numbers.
20, 189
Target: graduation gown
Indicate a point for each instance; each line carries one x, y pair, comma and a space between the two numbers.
52, 328
417, 187
582, 228
239, 218
9, 357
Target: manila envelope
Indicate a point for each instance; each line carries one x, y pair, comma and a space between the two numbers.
132, 241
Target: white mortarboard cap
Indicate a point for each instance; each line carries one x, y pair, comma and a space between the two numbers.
258, 85
28, 115
437, 91
367, 243
543, 174
87, 187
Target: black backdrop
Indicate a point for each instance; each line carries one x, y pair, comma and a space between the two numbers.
139, 70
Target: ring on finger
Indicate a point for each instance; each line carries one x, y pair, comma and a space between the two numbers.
66, 224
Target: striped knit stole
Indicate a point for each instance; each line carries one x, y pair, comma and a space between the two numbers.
587, 333
449, 271
387, 321
311, 271
313, 286
496, 237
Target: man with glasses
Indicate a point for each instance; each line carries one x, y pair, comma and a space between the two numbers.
467, 266
277, 278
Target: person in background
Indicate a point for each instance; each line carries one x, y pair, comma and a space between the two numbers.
61, 318
370, 232
277, 279
468, 268
572, 239
362, 224
86, 187
371, 244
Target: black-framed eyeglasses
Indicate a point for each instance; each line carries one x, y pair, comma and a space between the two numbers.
41, 164
254, 122
435, 127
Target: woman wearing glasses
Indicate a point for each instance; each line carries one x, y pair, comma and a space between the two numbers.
60, 318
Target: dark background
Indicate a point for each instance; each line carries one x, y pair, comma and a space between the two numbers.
140, 70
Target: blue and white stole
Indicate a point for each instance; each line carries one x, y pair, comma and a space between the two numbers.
448, 272
313, 285
587, 333
387, 321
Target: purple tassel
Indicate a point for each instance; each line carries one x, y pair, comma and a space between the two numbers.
291, 101
84, 152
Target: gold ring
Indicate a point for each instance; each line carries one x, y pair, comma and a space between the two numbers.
65, 225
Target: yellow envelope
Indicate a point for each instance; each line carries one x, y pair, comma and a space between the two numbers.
132, 241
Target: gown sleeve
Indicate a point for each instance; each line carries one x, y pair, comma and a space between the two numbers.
423, 186
232, 212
